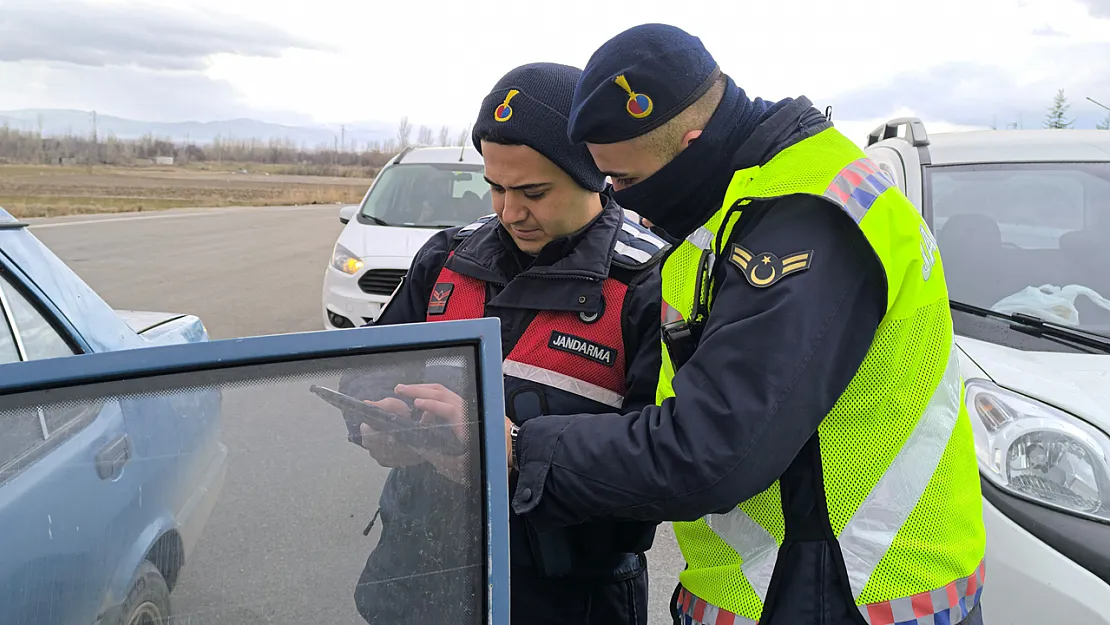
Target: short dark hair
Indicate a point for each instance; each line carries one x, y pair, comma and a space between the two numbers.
494, 135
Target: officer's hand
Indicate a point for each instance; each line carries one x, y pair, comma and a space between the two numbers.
439, 405
384, 448
443, 407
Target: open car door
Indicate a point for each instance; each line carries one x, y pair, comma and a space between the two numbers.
225, 483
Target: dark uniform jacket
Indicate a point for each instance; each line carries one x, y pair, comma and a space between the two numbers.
587, 307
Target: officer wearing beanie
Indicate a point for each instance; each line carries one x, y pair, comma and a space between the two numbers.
576, 287
810, 440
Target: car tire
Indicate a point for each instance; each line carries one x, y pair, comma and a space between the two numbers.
148, 601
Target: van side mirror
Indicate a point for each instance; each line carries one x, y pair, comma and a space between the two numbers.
347, 213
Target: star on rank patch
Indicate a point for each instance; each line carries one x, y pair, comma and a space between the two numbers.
504, 111
763, 270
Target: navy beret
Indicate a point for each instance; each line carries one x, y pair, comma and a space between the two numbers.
529, 106
637, 81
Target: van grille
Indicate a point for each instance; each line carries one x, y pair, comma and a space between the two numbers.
381, 281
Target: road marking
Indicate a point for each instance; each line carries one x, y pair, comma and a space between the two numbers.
199, 213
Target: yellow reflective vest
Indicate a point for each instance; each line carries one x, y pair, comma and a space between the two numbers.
898, 458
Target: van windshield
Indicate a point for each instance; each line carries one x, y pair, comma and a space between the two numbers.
429, 195
1029, 238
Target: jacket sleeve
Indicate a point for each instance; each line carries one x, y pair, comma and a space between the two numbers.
771, 364
408, 305
643, 354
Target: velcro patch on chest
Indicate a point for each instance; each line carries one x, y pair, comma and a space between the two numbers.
587, 349
441, 293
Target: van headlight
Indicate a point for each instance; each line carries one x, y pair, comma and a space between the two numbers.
344, 260
1040, 453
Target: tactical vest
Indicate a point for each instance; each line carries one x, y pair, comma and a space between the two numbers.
898, 459
581, 354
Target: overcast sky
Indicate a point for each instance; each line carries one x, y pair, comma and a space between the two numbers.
956, 63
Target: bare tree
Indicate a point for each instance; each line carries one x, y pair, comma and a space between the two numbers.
464, 137
404, 131
424, 137
444, 135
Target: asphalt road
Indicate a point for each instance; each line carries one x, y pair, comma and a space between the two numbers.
284, 543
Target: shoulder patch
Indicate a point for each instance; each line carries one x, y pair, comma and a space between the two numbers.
471, 228
637, 246
764, 269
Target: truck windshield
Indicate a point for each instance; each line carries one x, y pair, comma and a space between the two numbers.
1029, 238
428, 195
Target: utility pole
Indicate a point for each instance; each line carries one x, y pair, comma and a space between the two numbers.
343, 137
94, 142
42, 141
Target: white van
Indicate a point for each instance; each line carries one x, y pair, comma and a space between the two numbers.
1022, 219
419, 192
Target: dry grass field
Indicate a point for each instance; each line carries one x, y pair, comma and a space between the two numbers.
47, 190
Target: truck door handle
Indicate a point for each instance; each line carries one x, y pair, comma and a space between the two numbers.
110, 460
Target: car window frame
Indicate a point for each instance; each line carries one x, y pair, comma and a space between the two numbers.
8, 318
41, 303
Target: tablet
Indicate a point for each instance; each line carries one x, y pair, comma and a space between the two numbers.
438, 438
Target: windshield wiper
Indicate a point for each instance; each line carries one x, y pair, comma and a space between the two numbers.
377, 220
1039, 327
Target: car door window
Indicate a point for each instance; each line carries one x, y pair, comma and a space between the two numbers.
250, 445
22, 435
40, 338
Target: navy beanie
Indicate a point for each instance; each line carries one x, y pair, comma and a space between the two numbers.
637, 81
530, 106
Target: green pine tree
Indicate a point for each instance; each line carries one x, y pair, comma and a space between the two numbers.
1104, 124
1056, 117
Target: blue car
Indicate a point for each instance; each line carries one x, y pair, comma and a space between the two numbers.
102, 499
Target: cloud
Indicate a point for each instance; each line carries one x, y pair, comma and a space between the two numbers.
125, 34
1047, 31
975, 94
1098, 8
123, 91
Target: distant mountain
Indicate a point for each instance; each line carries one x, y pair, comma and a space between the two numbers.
62, 122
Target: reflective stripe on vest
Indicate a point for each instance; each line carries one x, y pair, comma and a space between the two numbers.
580, 355
857, 186
561, 381
944, 606
868, 535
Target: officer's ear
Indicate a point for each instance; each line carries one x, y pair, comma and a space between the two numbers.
688, 138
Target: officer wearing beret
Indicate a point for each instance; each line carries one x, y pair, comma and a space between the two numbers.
809, 441
576, 287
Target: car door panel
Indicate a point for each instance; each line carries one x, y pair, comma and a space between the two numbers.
60, 519
215, 462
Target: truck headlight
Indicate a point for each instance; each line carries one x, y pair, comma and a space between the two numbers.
1040, 453
344, 260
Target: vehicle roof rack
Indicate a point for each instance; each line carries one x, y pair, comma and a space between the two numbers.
915, 132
